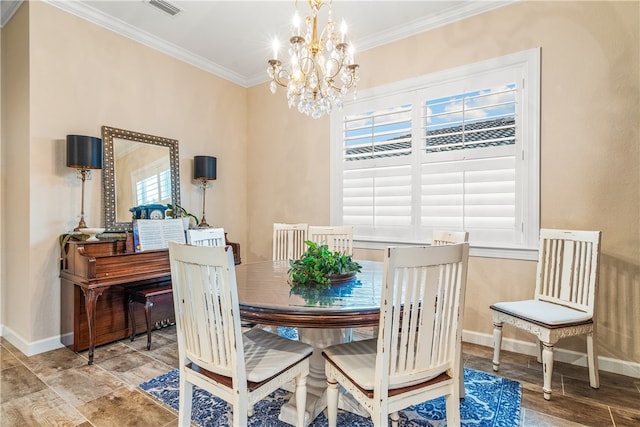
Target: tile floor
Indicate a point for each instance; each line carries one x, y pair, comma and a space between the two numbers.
58, 388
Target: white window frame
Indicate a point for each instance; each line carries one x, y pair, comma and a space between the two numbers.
154, 170
525, 64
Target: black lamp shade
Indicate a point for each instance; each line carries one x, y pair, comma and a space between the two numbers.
204, 167
84, 152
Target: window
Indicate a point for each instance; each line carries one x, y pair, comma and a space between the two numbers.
152, 184
455, 150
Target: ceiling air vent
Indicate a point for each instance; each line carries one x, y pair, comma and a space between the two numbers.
166, 7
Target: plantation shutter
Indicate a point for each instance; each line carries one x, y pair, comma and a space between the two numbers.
473, 195
468, 167
147, 190
377, 190
152, 184
453, 150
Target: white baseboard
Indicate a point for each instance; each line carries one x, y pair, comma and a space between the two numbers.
30, 348
608, 364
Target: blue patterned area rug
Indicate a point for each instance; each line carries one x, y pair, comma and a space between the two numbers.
490, 401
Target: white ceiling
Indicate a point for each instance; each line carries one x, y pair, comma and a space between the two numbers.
232, 39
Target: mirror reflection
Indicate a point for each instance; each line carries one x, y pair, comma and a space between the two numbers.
143, 176
139, 171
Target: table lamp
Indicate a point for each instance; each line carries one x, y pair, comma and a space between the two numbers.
204, 170
83, 153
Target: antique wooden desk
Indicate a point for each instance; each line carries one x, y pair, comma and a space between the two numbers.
323, 318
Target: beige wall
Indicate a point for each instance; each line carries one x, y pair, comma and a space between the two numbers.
70, 76
590, 173
2, 275
75, 77
288, 164
15, 176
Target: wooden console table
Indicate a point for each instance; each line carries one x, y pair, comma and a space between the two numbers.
94, 279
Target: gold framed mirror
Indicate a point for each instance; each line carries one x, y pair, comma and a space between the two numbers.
139, 169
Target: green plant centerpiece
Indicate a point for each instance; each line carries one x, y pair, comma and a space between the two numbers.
319, 267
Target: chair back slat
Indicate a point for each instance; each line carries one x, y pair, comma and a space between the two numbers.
568, 268
445, 314
421, 312
206, 237
338, 239
288, 241
441, 237
205, 302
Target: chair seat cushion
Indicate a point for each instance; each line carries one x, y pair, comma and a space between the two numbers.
266, 354
357, 360
542, 312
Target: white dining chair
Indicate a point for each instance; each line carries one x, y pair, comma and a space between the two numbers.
206, 236
415, 357
212, 352
288, 241
211, 237
339, 238
564, 301
445, 237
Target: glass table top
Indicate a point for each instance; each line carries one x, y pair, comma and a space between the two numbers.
264, 286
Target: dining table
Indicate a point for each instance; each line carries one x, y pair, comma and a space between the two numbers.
323, 317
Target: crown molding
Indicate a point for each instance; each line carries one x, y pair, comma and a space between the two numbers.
421, 25
8, 8
82, 10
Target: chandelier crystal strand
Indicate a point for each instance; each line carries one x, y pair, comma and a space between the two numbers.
321, 68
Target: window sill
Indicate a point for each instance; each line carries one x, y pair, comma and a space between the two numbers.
476, 251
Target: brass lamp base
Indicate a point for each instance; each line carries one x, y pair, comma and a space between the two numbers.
81, 224
83, 176
203, 223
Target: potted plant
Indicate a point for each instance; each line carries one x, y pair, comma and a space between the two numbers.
177, 211
319, 267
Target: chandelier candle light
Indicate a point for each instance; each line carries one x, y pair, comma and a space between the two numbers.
321, 68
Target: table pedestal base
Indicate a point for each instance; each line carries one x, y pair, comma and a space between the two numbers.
317, 380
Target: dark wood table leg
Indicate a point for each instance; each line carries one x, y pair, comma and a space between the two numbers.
147, 312
132, 316
90, 299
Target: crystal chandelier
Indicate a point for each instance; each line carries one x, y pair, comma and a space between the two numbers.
320, 69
